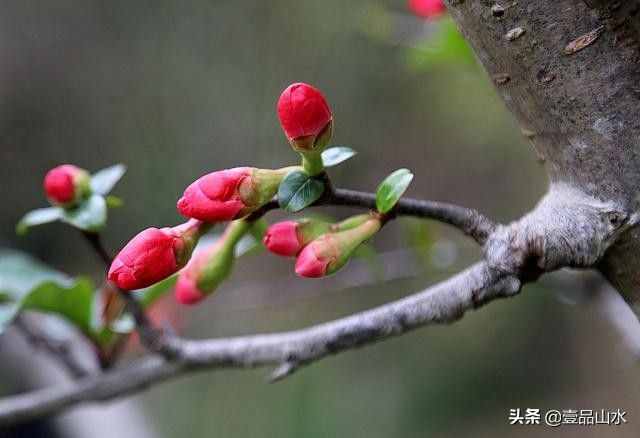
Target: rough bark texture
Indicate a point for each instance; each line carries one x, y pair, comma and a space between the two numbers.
572, 79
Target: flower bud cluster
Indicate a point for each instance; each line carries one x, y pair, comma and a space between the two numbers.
321, 248
230, 195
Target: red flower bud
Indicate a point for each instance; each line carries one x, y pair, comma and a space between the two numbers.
215, 196
230, 194
314, 259
209, 267
305, 116
331, 251
153, 255
289, 237
191, 287
427, 8
66, 184
282, 239
187, 290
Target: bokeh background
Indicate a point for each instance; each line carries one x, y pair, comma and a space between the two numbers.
177, 89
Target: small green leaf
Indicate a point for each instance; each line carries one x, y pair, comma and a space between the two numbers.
114, 201
90, 215
103, 181
298, 190
336, 155
391, 189
38, 217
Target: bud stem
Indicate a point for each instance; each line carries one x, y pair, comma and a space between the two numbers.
235, 230
312, 163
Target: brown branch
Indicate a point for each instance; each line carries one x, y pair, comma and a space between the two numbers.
443, 303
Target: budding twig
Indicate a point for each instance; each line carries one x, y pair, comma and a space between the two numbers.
152, 338
469, 221
96, 243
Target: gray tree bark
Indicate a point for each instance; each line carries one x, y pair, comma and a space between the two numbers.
570, 73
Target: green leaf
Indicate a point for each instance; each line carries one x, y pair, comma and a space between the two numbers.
114, 201
391, 189
298, 190
38, 217
74, 303
336, 155
28, 284
20, 273
90, 215
104, 180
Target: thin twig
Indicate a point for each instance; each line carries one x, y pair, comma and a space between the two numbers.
95, 241
469, 221
443, 303
151, 338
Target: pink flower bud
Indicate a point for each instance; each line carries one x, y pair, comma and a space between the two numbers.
282, 239
187, 291
230, 194
305, 116
331, 251
209, 267
66, 184
288, 238
215, 196
153, 255
427, 8
314, 259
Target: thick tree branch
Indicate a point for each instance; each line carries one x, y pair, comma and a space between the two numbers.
571, 80
442, 303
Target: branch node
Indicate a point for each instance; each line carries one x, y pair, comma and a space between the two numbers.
284, 370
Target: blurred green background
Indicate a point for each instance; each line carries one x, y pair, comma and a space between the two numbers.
177, 89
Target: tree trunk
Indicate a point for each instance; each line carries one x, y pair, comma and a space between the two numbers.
570, 72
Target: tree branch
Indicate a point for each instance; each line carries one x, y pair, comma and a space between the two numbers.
443, 303
469, 221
